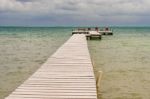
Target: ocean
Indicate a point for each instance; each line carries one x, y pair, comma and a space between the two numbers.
23, 50
123, 58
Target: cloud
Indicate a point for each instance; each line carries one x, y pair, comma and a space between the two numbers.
13, 5
93, 11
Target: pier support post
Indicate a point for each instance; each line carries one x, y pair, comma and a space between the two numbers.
100, 37
98, 80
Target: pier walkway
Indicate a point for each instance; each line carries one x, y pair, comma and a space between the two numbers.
93, 34
67, 74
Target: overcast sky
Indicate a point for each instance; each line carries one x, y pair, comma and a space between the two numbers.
74, 12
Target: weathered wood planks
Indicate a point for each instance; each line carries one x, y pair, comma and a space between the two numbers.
67, 74
94, 34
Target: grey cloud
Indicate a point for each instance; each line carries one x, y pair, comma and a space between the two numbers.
79, 6
25, 0
81, 11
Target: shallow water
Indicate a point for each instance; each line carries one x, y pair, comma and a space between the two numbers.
23, 50
123, 57
124, 60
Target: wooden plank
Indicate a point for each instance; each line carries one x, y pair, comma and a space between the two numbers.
51, 97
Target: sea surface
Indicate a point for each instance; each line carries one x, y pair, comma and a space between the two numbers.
23, 50
124, 58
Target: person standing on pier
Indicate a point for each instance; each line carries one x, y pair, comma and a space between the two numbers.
96, 28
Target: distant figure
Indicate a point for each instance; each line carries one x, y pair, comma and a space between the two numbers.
106, 29
89, 29
96, 28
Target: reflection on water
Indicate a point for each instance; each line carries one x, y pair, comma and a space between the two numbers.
23, 50
124, 59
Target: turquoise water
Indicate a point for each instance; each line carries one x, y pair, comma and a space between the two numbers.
123, 58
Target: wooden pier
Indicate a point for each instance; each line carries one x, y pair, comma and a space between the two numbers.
67, 74
80, 32
93, 34
106, 32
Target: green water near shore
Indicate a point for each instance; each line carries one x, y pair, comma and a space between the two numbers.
24, 50
124, 60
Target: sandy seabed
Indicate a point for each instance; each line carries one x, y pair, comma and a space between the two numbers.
124, 60
23, 51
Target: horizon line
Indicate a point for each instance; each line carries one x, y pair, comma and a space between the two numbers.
78, 26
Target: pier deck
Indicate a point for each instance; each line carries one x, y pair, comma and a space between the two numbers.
80, 32
67, 74
106, 32
85, 31
94, 34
